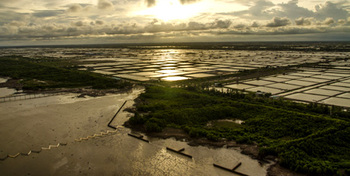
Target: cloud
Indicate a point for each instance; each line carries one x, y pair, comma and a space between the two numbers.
101, 10
260, 7
328, 21
257, 10
222, 24
110, 18
304, 21
16, 23
188, 1
47, 13
240, 26
278, 22
265, 9
155, 27
255, 24
17, 30
99, 22
9, 16
150, 3
104, 4
292, 10
196, 26
21, 30
79, 23
344, 22
75, 8
330, 9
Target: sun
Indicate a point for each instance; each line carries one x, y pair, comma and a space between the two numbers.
167, 10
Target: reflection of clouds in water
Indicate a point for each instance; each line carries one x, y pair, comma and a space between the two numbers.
170, 163
155, 160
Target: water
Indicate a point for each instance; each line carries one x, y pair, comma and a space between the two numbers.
3, 80
6, 92
114, 154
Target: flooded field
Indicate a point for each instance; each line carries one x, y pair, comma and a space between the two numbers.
307, 84
36, 123
325, 85
158, 64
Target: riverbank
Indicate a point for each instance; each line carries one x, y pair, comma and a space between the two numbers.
179, 134
251, 150
14, 88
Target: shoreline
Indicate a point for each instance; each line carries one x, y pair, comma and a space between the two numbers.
83, 91
251, 150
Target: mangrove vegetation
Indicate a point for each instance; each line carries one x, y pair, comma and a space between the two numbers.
46, 73
306, 138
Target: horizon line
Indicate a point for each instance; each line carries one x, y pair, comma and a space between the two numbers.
162, 43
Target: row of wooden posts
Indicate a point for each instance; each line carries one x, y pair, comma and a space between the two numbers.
27, 96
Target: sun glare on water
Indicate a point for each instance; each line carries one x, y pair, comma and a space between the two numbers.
167, 10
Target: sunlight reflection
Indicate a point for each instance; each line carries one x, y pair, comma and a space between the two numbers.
168, 68
167, 161
168, 71
174, 78
170, 51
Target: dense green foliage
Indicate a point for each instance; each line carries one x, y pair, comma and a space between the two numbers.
307, 141
48, 73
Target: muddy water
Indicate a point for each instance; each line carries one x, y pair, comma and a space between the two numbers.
3, 80
117, 153
6, 92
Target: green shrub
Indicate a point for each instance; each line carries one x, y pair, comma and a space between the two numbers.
306, 141
137, 119
152, 127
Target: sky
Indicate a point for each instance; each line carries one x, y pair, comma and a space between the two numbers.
51, 22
